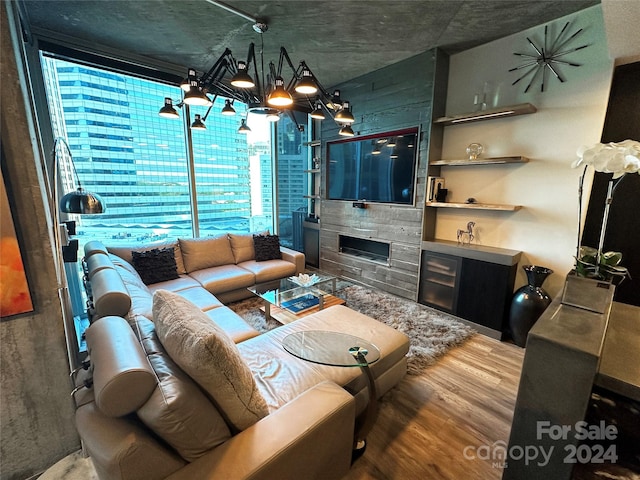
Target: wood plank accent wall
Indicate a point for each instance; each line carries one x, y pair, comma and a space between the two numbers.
400, 96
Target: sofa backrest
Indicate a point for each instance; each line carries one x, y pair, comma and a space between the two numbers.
123, 380
177, 410
201, 253
133, 373
106, 290
192, 254
125, 251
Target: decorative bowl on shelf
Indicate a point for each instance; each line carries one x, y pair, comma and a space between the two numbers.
474, 150
305, 280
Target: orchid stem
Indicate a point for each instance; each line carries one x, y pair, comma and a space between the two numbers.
580, 188
603, 229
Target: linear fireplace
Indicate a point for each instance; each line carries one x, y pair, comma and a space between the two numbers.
365, 248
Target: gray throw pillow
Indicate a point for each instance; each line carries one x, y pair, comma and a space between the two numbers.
207, 354
177, 410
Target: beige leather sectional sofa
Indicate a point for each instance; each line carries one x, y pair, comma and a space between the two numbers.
183, 388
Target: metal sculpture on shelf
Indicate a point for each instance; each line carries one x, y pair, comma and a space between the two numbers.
466, 236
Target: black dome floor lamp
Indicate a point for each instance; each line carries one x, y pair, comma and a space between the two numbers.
79, 201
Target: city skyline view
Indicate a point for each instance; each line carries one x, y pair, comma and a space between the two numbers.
138, 161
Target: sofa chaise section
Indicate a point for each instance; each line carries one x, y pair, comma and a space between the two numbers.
307, 437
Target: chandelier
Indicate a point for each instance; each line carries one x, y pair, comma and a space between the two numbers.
280, 90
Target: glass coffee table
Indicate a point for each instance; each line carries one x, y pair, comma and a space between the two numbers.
341, 350
286, 301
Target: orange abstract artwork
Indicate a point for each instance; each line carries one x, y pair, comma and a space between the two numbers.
14, 289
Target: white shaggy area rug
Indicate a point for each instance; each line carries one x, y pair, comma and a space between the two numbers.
431, 332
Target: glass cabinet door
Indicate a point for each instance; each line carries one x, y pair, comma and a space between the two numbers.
439, 281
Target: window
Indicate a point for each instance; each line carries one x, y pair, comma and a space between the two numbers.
293, 158
139, 163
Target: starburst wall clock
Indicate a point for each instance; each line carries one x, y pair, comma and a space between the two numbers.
547, 59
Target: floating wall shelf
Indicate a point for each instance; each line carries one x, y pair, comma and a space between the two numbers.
500, 112
476, 206
480, 161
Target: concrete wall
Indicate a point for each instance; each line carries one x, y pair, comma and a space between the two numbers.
569, 115
36, 415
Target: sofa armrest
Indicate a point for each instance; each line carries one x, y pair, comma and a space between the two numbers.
310, 437
295, 257
122, 448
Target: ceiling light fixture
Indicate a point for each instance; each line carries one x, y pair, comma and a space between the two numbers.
271, 91
346, 131
228, 108
345, 115
198, 124
317, 112
244, 128
167, 110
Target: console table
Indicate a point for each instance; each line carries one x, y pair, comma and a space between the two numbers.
569, 350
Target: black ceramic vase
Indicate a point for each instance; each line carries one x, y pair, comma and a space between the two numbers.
529, 302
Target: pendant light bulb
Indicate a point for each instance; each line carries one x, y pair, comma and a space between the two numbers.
317, 112
346, 131
167, 111
198, 124
242, 79
195, 95
228, 108
280, 97
244, 128
345, 115
307, 84
273, 116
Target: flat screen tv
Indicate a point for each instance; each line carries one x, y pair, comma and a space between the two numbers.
374, 168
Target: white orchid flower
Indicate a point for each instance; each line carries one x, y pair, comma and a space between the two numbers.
617, 158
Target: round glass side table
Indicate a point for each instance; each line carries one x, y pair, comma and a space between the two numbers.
341, 350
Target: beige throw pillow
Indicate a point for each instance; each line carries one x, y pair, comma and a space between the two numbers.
201, 253
207, 354
177, 411
242, 246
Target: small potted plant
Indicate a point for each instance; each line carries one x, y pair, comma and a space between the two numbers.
608, 268
596, 273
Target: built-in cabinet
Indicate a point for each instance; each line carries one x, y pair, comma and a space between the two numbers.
440, 281
472, 282
313, 177
311, 222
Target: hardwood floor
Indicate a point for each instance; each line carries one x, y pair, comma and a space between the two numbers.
465, 400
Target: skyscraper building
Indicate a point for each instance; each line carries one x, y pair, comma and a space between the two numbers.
137, 161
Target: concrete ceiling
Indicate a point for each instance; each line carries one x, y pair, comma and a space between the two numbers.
339, 40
